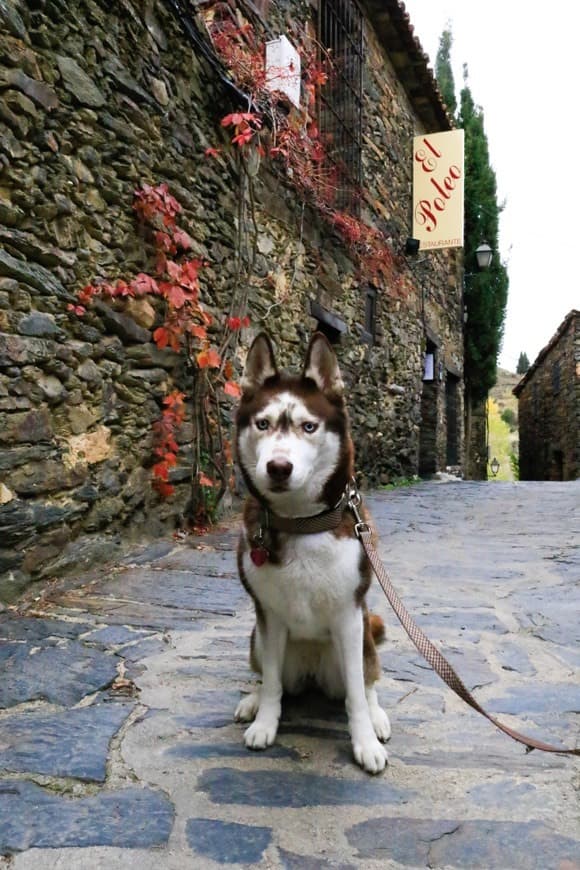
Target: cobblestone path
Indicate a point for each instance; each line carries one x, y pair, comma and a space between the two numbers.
117, 742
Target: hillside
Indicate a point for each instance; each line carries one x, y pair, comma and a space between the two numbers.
503, 438
502, 392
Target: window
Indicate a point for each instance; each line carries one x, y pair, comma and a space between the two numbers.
329, 323
370, 324
341, 33
556, 377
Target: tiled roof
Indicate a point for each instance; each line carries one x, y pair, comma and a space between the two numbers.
396, 33
545, 350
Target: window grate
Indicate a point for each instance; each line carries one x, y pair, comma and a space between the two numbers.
370, 314
341, 34
556, 377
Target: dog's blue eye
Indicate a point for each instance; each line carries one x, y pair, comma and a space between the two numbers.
309, 428
262, 424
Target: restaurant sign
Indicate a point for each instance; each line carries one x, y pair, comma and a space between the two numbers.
438, 170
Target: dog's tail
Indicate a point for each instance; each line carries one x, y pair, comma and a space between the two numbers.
377, 627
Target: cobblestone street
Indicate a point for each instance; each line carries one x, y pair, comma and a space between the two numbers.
118, 747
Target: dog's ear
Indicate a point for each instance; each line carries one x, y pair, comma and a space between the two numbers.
260, 364
322, 366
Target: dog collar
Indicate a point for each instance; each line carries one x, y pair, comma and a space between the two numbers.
322, 522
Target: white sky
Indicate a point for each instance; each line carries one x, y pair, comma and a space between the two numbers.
524, 73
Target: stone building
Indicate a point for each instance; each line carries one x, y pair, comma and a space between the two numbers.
99, 99
549, 408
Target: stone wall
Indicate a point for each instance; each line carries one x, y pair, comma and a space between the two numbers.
549, 408
98, 100
476, 440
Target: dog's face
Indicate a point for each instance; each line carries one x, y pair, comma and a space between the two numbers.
292, 438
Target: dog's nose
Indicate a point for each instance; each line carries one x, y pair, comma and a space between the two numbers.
279, 470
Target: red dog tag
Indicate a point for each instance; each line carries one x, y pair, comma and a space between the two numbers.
259, 556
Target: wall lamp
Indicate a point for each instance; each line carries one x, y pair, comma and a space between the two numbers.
412, 247
494, 466
484, 255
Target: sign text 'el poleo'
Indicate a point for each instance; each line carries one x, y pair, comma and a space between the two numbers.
438, 171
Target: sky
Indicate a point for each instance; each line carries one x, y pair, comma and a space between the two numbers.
524, 73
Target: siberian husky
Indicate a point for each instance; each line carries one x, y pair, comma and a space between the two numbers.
308, 587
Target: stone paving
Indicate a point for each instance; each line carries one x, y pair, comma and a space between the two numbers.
118, 747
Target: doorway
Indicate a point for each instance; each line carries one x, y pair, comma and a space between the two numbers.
428, 432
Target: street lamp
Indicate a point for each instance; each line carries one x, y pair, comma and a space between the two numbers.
484, 255
483, 258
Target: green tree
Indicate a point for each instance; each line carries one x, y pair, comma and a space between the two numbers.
523, 364
485, 292
444, 71
508, 415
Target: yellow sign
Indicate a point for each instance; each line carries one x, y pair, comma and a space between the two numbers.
438, 170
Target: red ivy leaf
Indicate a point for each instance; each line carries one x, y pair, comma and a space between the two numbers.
232, 389
189, 273
173, 270
181, 238
161, 337
198, 332
209, 358
161, 471
238, 118
175, 295
164, 242
205, 480
143, 284
175, 398
164, 489
79, 310
243, 137
121, 289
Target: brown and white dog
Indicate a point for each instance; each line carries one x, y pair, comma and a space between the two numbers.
312, 625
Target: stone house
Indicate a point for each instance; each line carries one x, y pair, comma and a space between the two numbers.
549, 408
99, 99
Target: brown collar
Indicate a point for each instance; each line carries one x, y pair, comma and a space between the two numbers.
323, 522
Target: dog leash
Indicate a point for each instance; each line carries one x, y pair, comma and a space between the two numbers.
330, 519
428, 650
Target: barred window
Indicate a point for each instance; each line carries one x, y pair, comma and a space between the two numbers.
341, 34
370, 326
556, 377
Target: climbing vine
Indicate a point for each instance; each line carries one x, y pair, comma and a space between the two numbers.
184, 328
290, 137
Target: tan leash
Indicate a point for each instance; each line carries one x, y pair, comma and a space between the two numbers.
427, 649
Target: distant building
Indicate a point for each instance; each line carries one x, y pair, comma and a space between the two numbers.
549, 408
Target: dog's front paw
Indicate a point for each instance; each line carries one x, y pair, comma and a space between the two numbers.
371, 755
247, 708
381, 723
261, 734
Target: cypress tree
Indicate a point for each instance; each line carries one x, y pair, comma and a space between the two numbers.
485, 292
523, 363
444, 71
